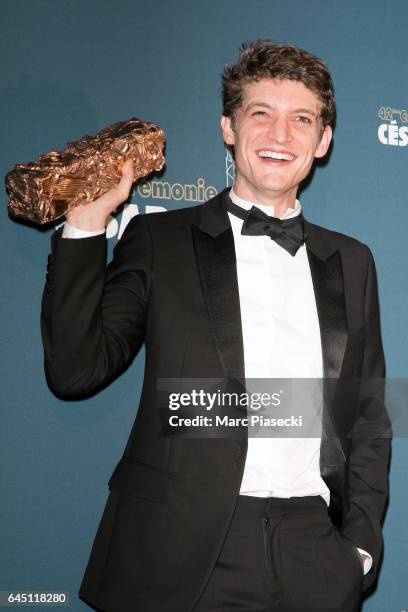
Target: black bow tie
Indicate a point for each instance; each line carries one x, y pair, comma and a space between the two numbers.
288, 233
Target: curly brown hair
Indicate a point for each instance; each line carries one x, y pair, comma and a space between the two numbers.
264, 59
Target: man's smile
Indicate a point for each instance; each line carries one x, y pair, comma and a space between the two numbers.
269, 155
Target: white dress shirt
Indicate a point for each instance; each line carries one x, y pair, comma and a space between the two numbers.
281, 338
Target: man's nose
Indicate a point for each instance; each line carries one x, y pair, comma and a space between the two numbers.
279, 129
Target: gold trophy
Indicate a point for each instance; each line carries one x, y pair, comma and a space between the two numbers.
45, 190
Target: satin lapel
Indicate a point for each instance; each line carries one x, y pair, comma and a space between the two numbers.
331, 307
327, 275
215, 253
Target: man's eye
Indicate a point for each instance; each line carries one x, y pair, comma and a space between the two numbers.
303, 119
259, 114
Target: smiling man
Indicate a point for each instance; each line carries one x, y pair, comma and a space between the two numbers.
276, 134
240, 287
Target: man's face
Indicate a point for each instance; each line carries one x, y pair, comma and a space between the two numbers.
276, 136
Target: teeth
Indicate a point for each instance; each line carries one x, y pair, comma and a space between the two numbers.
275, 155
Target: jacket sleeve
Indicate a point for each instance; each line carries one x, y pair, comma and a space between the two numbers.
93, 317
370, 440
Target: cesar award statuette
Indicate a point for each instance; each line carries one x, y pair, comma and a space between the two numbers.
44, 190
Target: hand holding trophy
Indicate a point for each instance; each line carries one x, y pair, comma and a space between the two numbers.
94, 215
95, 169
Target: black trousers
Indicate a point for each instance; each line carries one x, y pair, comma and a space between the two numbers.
284, 555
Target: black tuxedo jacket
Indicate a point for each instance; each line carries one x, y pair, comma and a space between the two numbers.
172, 284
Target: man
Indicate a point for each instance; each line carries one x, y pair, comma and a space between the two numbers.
202, 524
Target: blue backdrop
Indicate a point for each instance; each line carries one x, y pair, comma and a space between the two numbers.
72, 67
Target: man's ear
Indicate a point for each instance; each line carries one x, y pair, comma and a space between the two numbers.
325, 141
227, 131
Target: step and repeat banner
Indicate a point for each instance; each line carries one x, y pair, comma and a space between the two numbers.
72, 67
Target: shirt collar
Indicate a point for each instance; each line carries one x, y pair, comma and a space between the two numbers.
269, 210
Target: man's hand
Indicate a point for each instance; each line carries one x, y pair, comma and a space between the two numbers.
94, 215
